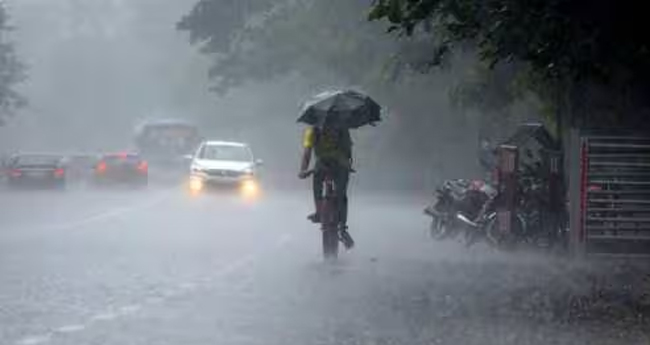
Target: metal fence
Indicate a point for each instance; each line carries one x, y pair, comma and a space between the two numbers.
610, 194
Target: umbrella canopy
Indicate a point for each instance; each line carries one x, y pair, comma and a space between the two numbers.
345, 108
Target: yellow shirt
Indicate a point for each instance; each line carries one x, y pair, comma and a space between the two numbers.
308, 138
328, 149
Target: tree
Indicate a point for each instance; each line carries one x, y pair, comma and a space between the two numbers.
12, 71
574, 46
258, 40
558, 37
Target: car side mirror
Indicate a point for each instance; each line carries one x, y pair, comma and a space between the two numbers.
259, 162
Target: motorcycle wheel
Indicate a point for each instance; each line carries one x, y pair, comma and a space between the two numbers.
438, 228
505, 242
472, 236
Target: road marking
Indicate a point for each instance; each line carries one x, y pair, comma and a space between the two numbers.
104, 317
34, 340
70, 328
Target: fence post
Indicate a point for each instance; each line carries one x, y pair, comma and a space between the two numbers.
575, 154
508, 162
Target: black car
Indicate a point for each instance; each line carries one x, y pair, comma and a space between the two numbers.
35, 170
121, 168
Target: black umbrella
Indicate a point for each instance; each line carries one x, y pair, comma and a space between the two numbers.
347, 108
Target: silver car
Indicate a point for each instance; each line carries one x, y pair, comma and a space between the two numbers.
224, 164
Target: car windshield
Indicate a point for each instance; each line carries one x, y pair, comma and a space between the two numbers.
37, 160
226, 153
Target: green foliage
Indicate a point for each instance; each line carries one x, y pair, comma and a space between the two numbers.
559, 38
567, 46
488, 89
12, 71
216, 23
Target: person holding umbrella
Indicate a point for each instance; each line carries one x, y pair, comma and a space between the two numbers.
330, 116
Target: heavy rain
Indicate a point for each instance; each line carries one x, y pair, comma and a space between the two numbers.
324, 172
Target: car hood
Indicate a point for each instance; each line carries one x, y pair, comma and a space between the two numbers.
223, 165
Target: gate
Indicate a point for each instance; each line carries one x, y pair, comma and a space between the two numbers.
610, 211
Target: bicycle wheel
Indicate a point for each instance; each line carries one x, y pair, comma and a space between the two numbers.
330, 230
330, 243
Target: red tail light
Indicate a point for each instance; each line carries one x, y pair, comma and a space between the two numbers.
101, 167
59, 172
143, 167
16, 173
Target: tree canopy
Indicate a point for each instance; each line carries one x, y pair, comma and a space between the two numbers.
564, 42
262, 39
578, 39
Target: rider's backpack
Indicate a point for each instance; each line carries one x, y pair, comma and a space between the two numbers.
333, 144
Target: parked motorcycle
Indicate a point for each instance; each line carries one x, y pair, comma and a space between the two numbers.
457, 207
532, 225
478, 212
442, 209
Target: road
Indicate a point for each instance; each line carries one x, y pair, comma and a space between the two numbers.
161, 267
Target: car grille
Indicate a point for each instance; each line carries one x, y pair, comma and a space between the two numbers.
224, 173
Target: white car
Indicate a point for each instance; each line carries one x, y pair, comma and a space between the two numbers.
226, 164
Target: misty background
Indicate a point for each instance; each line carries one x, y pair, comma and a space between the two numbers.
96, 68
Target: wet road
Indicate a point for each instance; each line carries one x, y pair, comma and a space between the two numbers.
160, 267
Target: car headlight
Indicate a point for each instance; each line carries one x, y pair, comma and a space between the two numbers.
249, 189
196, 168
196, 185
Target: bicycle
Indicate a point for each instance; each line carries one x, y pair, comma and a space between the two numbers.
329, 216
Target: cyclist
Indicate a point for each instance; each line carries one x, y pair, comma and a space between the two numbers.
332, 147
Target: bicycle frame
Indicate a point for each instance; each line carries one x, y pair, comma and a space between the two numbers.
330, 218
328, 210
328, 204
